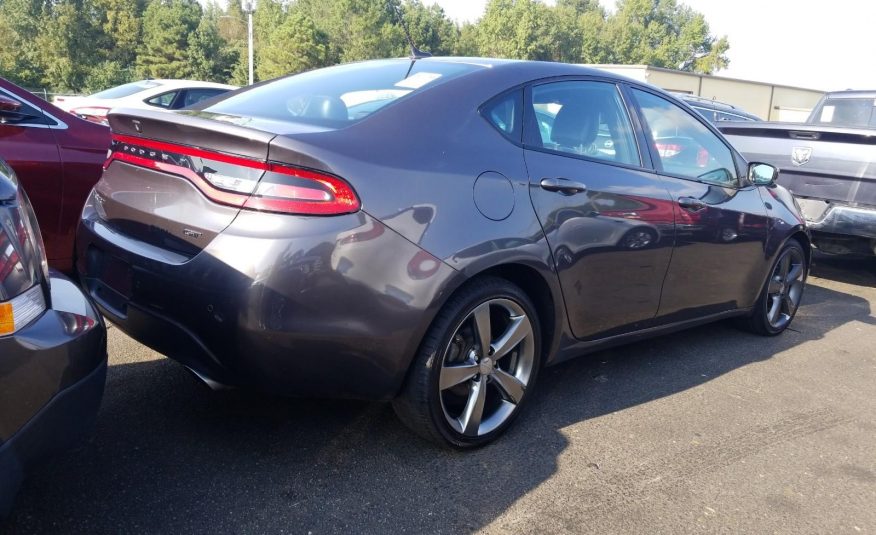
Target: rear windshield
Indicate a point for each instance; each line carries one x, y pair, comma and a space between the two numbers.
341, 95
848, 112
126, 89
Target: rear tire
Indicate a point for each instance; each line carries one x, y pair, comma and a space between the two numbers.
782, 293
475, 368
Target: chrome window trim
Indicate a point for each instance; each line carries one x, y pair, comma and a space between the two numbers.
59, 124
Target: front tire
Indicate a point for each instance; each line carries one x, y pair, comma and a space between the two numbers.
475, 368
781, 295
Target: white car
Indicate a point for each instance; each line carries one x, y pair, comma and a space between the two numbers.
148, 94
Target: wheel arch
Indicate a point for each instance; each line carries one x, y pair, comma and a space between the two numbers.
534, 282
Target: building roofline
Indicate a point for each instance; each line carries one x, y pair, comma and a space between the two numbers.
716, 77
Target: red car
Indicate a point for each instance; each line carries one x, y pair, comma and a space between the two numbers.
57, 157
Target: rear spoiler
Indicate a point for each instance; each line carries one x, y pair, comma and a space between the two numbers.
190, 129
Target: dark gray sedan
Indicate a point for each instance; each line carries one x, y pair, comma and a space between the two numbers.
431, 231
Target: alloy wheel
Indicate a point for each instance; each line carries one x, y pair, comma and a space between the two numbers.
785, 288
486, 367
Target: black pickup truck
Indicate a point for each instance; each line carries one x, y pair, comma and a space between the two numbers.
828, 163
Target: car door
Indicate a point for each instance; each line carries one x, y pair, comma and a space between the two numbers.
27, 143
718, 263
608, 219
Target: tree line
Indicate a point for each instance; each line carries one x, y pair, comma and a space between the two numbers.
89, 45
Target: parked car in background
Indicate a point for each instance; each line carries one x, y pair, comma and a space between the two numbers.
155, 94
52, 348
716, 111
828, 163
58, 158
430, 231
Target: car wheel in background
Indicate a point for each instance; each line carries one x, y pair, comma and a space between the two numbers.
475, 368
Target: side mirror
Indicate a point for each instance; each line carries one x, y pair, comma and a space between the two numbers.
9, 104
762, 174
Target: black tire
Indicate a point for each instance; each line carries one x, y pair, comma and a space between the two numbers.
425, 407
760, 321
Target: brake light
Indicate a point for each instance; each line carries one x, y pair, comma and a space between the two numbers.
246, 183
668, 150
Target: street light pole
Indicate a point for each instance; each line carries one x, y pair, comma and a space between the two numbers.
248, 7
249, 40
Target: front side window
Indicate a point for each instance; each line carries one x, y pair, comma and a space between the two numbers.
684, 146
193, 96
583, 118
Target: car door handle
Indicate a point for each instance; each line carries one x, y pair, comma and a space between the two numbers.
563, 185
690, 204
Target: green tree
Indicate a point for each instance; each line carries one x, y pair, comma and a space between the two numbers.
663, 34
19, 27
294, 46
167, 27
519, 29
467, 42
207, 59
63, 44
430, 29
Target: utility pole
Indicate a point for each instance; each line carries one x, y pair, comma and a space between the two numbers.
249, 7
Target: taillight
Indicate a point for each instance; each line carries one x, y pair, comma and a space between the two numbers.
241, 182
95, 114
702, 157
668, 150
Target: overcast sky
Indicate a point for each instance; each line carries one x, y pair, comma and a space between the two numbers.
820, 44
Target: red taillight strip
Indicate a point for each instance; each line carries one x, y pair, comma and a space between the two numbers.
191, 151
345, 199
217, 195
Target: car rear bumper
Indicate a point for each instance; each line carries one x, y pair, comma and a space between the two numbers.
52, 376
337, 311
837, 218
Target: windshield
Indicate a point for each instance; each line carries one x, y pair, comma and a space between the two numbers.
848, 112
341, 95
126, 89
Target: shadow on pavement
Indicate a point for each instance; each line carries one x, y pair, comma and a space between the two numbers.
170, 456
850, 270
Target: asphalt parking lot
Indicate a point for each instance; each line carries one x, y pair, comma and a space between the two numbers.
710, 430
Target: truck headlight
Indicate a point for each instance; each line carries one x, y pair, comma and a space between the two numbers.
21, 310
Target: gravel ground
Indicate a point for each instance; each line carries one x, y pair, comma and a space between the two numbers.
709, 430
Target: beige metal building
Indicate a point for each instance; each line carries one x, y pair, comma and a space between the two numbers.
768, 101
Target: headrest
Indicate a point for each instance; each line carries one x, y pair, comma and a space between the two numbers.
326, 107
576, 124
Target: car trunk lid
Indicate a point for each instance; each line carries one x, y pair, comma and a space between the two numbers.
177, 180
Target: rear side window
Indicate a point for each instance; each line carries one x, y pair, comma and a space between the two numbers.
163, 100
126, 90
505, 112
341, 95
